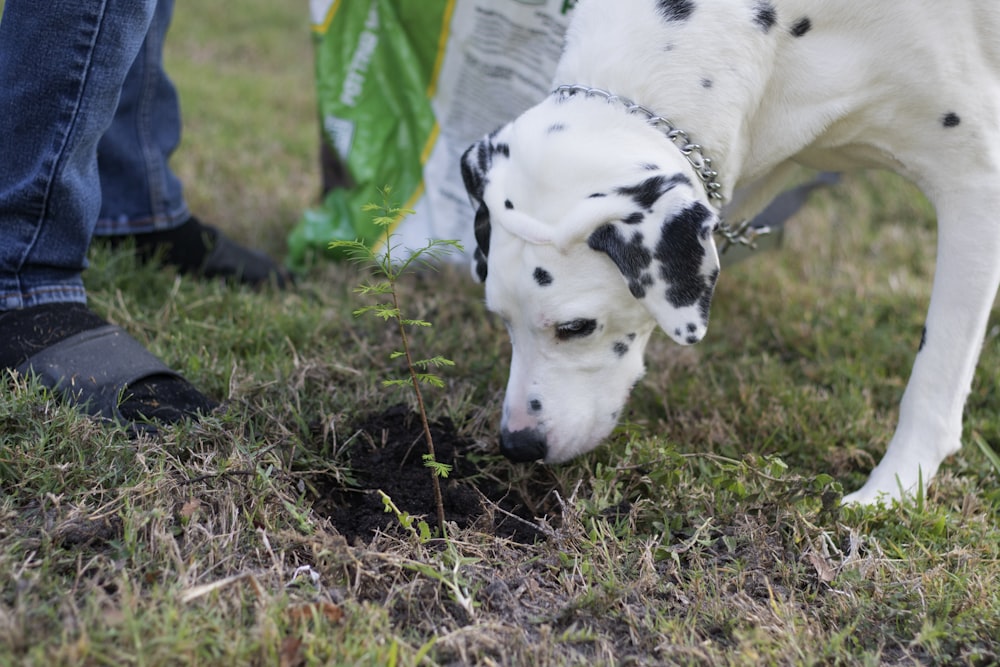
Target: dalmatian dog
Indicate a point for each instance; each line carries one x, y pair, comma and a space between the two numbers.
596, 210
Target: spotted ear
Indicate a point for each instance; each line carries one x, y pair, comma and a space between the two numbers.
476, 164
669, 262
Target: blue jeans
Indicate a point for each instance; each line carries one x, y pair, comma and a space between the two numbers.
139, 192
64, 67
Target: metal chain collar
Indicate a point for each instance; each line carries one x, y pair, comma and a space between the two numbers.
693, 152
744, 233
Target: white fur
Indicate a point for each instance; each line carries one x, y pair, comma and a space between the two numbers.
867, 86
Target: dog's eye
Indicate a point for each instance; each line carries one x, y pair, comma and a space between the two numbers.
575, 329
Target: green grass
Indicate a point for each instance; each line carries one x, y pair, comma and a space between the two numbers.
708, 532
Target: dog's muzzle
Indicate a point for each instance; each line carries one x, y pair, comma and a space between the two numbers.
523, 446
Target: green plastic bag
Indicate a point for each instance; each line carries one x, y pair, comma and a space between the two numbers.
403, 87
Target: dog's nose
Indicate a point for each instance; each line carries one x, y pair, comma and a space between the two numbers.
522, 446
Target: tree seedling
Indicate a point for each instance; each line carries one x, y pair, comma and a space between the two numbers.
389, 265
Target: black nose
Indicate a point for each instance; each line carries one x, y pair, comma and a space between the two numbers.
522, 446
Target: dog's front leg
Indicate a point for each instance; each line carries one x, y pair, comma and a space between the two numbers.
965, 284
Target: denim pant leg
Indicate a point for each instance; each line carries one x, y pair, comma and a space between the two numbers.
139, 191
62, 65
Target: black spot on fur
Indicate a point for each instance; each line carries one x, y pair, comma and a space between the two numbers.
634, 219
597, 195
621, 349
680, 252
631, 257
951, 119
476, 163
675, 10
542, 277
508, 204
481, 268
631, 337
692, 327
707, 83
765, 15
650, 167
801, 27
482, 231
923, 340
691, 340
705, 303
646, 193
502, 149
535, 405
558, 127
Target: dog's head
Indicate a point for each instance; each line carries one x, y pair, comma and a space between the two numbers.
590, 230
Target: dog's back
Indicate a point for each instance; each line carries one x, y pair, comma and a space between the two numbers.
837, 84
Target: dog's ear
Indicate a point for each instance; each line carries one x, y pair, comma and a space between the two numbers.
669, 262
476, 164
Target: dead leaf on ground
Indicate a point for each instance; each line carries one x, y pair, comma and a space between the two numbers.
290, 653
306, 612
189, 508
825, 572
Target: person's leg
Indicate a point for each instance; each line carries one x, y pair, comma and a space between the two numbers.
142, 197
61, 70
139, 192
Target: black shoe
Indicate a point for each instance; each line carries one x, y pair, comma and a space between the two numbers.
96, 366
204, 251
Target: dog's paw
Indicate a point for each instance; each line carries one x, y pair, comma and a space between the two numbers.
868, 497
908, 466
889, 483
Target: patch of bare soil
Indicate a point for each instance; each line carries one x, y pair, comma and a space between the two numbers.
388, 456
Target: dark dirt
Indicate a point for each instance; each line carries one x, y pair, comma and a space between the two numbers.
388, 457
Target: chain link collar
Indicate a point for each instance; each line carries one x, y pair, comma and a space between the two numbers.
742, 234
